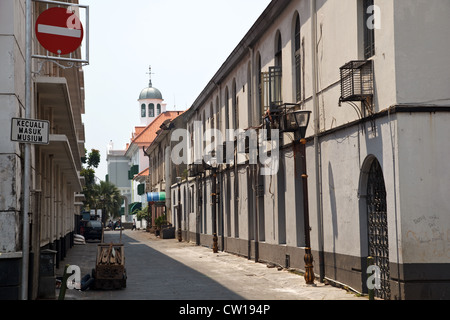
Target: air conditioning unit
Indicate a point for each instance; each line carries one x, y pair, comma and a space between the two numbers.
357, 81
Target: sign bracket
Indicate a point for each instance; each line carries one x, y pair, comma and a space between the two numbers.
71, 61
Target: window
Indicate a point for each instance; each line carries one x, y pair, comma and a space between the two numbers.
260, 110
278, 51
151, 110
211, 114
237, 113
235, 118
297, 57
369, 28
249, 96
271, 88
143, 111
227, 106
158, 109
203, 130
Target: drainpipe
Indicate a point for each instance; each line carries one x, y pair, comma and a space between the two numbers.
254, 167
27, 158
316, 138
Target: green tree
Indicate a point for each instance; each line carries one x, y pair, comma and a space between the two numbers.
92, 161
144, 214
105, 196
108, 198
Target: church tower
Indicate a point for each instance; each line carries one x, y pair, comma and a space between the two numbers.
150, 103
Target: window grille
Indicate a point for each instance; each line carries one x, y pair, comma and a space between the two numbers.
271, 88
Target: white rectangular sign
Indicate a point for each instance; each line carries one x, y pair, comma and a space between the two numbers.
30, 131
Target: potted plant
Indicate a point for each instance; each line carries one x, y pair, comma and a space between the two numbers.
160, 222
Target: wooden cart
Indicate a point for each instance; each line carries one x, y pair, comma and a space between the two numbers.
110, 272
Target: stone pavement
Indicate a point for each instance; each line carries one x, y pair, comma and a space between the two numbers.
169, 270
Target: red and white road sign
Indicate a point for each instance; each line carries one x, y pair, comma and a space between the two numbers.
59, 30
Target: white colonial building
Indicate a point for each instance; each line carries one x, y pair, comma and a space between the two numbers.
57, 96
375, 75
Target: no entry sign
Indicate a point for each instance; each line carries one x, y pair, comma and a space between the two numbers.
59, 30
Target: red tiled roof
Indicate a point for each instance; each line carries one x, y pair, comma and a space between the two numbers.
144, 136
143, 173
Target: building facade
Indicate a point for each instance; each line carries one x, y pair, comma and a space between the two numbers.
163, 173
128, 169
374, 74
57, 95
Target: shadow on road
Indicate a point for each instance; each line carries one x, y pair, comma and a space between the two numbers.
152, 275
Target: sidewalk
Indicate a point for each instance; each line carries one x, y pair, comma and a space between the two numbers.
186, 271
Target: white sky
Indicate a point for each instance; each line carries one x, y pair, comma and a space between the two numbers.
185, 42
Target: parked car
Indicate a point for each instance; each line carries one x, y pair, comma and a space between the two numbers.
93, 230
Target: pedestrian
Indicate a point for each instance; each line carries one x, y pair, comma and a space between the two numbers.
134, 225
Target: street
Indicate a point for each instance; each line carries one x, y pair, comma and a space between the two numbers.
169, 270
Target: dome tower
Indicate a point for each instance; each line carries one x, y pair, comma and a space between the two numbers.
150, 103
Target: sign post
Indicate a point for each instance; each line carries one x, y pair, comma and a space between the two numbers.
30, 131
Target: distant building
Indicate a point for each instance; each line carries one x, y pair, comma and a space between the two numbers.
129, 168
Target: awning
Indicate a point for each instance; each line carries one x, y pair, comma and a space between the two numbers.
135, 207
156, 196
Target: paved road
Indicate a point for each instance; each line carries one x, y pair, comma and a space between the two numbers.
168, 270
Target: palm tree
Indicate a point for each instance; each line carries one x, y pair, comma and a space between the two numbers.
107, 196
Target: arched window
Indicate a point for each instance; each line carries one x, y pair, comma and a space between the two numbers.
203, 130
297, 57
227, 106
234, 110
143, 111
158, 109
259, 106
278, 51
249, 96
211, 125
217, 114
151, 110
369, 28
211, 115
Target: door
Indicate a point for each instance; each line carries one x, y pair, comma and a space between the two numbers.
378, 227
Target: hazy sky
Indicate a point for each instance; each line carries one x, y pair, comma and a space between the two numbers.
185, 42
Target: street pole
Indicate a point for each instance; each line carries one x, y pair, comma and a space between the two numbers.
213, 200
179, 210
27, 157
309, 272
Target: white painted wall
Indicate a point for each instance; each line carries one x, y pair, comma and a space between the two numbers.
422, 43
424, 179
